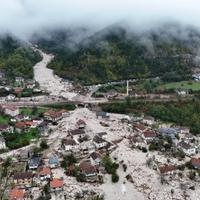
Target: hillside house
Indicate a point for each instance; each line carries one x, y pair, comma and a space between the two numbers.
34, 162
139, 127
195, 162
95, 158
186, 148
10, 97
56, 185
19, 79
23, 126
88, 170
17, 194
55, 116
167, 169
149, 135
6, 128
87, 147
11, 111
168, 132
80, 124
70, 144
53, 161
44, 173
102, 135
77, 133
23, 179
148, 120
102, 115
99, 142
2, 143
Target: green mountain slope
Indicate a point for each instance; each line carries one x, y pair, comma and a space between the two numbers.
115, 54
16, 58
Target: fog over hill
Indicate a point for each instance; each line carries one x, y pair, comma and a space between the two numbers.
24, 18
109, 40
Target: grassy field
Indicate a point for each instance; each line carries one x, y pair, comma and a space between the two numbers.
187, 85
32, 111
4, 119
14, 141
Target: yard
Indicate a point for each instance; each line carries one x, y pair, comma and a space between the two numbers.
33, 112
15, 140
4, 119
185, 85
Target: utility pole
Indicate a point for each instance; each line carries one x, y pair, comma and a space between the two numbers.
127, 88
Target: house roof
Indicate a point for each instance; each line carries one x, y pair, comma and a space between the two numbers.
56, 183
34, 161
101, 114
98, 139
87, 168
23, 175
12, 108
166, 168
2, 140
195, 162
80, 122
149, 134
77, 132
44, 171
3, 127
149, 118
53, 160
95, 155
101, 134
184, 145
16, 194
20, 116
139, 127
21, 125
70, 142
167, 131
52, 113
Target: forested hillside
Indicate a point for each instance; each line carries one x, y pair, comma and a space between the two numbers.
16, 58
114, 54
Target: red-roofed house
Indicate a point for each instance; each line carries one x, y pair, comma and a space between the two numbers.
149, 135
139, 127
16, 194
56, 185
52, 115
44, 173
167, 169
23, 126
88, 170
195, 162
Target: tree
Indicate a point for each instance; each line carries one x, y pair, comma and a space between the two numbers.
115, 178
68, 160
44, 145
81, 177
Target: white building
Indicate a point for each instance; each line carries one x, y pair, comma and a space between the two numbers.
2, 143
148, 120
187, 148
70, 145
99, 142
10, 97
11, 110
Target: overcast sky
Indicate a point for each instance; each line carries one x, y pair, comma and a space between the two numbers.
25, 17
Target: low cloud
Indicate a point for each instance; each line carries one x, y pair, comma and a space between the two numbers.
23, 18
